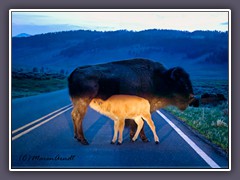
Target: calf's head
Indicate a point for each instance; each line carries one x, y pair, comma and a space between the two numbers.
96, 104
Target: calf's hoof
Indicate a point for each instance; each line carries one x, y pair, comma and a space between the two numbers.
119, 143
132, 135
156, 142
83, 141
112, 142
132, 140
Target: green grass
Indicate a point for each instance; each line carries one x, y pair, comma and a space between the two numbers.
210, 86
29, 87
210, 121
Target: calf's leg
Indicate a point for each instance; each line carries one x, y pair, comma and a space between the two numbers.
121, 128
116, 129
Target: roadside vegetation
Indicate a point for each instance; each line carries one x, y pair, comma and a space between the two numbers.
33, 83
211, 121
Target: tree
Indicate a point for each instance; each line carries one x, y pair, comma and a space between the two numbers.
62, 71
35, 69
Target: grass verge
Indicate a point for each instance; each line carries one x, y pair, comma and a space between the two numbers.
211, 122
23, 86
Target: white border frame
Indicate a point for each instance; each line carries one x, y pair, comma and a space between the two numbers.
119, 10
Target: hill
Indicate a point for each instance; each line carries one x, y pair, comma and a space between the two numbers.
22, 35
201, 53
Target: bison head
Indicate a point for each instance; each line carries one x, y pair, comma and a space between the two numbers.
179, 87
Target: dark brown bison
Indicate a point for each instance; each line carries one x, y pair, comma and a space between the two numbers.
140, 77
213, 99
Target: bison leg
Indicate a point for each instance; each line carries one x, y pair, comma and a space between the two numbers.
150, 122
142, 135
79, 110
139, 122
133, 128
74, 118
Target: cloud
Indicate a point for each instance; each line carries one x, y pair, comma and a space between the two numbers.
116, 20
224, 23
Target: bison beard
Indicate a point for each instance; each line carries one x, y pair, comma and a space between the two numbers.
140, 77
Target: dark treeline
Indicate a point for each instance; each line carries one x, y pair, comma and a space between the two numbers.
212, 44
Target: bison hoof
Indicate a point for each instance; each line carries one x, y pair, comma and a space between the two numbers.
83, 141
119, 143
145, 140
156, 142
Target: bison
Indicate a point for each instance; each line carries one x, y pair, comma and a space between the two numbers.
139, 77
121, 107
213, 99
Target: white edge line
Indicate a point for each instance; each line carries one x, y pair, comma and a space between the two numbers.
119, 10
229, 85
10, 85
130, 170
33, 122
41, 123
19, 10
199, 151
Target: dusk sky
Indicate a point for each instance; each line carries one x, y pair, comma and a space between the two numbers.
42, 22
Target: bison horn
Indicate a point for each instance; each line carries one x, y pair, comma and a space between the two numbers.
173, 75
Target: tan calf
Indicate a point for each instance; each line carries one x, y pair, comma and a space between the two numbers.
121, 107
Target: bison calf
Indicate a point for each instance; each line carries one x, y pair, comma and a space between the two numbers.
121, 107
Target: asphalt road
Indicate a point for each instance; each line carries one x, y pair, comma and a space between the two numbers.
42, 138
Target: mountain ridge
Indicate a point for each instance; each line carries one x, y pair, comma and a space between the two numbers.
23, 35
69, 49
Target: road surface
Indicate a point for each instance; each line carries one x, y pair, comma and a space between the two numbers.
42, 138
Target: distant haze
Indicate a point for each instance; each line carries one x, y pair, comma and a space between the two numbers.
43, 22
